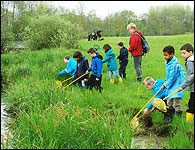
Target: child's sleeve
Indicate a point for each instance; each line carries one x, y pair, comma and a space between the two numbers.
99, 68
62, 72
105, 60
173, 75
190, 78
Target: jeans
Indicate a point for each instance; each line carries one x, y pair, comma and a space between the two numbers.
115, 72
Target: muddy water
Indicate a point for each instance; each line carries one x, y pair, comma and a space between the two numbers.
148, 142
5, 133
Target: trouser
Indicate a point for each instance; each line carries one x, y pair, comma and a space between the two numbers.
92, 82
191, 103
122, 71
175, 103
137, 60
115, 72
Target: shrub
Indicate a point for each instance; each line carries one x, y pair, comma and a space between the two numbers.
52, 31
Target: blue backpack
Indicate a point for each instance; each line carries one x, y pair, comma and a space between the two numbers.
144, 43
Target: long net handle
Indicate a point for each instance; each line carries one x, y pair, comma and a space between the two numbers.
170, 94
147, 113
67, 79
75, 80
147, 103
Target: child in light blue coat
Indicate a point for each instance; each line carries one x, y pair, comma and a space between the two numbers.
111, 63
71, 66
175, 75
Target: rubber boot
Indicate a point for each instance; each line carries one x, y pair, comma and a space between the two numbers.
189, 117
168, 116
112, 81
179, 113
120, 80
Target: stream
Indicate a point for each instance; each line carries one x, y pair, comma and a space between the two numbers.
5, 133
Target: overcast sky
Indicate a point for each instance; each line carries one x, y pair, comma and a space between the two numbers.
103, 8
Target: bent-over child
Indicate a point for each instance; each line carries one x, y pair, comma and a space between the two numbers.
71, 66
82, 67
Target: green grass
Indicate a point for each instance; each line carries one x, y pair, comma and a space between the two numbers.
49, 117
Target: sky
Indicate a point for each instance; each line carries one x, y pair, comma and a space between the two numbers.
104, 8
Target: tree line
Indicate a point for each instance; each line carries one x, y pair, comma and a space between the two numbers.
20, 18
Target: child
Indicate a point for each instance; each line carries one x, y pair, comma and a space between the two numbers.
151, 84
71, 66
123, 59
187, 53
96, 68
175, 75
82, 67
111, 63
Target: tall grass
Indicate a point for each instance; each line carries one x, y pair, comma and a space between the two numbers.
49, 117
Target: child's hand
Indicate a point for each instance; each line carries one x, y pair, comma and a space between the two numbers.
145, 111
97, 79
162, 87
87, 71
180, 89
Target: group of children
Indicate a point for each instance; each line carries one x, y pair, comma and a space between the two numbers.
175, 81
175, 75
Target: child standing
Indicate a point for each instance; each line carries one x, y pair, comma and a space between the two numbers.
111, 63
175, 75
71, 66
123, 59
96, 68
187, 53
82, 67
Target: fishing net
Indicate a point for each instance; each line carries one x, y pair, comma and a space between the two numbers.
159, 104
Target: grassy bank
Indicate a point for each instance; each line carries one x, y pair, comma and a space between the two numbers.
48, 117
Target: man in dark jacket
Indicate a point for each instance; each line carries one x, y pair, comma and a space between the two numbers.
136, 50
82, 67
123, 59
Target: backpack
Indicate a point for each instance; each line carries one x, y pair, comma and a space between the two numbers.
144, 43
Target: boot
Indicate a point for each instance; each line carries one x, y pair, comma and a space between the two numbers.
179, 113
120, 80
189, 117
168, 118
112, 81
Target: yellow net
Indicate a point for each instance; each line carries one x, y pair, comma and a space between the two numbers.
58, 83
159, 104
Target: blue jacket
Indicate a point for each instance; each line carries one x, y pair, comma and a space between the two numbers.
110, 59
96, 65
82, 67
162, 94
71, 67
175, 75
123, 57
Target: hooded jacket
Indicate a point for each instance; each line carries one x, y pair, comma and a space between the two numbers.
157, 85
189, 64
96, 65
135, 44
71, 67
123, 57
175, 75
110, 59
82, 67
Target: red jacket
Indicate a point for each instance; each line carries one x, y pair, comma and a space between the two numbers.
135, 44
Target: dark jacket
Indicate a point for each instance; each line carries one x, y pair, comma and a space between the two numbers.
123, 57
96, 65
82, 67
